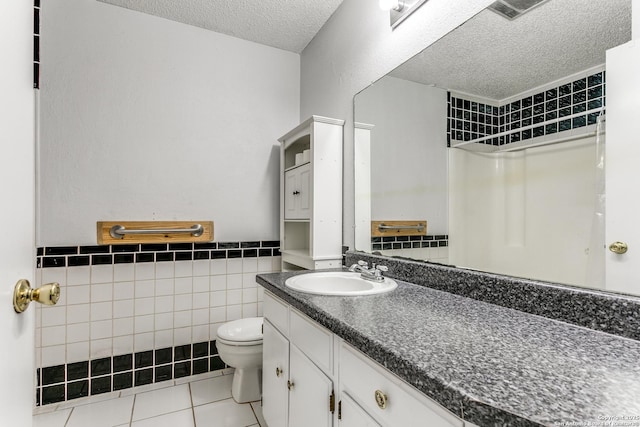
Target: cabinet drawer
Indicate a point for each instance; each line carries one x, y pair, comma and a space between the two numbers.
314, 340
277, 311
405, 406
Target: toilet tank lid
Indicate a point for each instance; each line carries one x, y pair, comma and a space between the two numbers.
249, 329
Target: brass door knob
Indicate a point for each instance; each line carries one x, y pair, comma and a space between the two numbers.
381, 399
48, 294
618, 248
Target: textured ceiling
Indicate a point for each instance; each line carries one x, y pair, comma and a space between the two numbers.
288, 25
493, 57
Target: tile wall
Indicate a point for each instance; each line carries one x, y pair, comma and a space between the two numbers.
558, 107
135, 314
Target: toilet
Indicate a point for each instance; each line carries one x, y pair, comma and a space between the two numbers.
239, 345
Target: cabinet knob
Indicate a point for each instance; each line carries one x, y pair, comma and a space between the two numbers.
295, 193
290, 384
618, 248
278, 371
381, 399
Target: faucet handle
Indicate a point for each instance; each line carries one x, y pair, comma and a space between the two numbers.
382, 268
363, 263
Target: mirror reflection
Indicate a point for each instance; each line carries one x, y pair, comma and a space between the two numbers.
494, 136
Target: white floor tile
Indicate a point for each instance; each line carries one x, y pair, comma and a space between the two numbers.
163, 401
257, 410
182, 418
227, 413
107, 413
211, 390
52, 419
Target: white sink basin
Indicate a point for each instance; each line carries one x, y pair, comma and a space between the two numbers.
338, 283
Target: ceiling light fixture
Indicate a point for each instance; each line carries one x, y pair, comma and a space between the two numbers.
399, 10
388, 5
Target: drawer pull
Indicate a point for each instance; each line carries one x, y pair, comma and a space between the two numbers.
290, 385
381, 399
278, 371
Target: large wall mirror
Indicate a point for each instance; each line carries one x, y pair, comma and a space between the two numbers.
494, 136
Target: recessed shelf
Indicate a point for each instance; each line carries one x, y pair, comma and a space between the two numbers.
296, 166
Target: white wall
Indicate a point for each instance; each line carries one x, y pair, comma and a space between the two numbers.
408, 151
526, 214
356, 47
148, 119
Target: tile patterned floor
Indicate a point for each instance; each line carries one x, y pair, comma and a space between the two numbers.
197, 401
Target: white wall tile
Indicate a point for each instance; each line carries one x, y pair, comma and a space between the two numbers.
277, 263
183, 302
218, 314
123, 326
182, 336
218, 266
181, 319
163, 321
101, 329
165, 270
249, 295
163, 338
102, 273
183, 285
218, 283
78, 351
213, 330
54, 335
234, 296
123, 345
201, 284
265, 264
144, 324
38, 309
102, 311
145, 271
54, 315
55, 274
100, 348
164, 304
144, 306
124, 272
260, 293
164, 287
200, 333
249, 280
144, 288
143, 342
234, 281
260, 310
78, 332
78, 275
78, 313
249, 310
102, 292
123, 290
184, 269
201, 267
54, 355
234, 312
234, 265
249, 265
200, 317
218, 299
123, 308
79, 295
200, 300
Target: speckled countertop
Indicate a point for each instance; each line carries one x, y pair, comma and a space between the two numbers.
496, 365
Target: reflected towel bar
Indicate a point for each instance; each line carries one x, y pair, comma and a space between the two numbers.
418, 227
118, 231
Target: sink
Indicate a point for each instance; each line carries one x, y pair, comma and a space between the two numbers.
338, 283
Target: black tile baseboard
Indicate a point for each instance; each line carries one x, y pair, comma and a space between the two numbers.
74, 256
92, 377
409, 242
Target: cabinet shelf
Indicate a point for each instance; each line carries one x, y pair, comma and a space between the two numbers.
296, 166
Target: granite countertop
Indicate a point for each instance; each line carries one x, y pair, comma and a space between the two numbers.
500, 365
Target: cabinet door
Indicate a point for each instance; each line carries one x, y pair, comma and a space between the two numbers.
352, 415
304, 186
310, 393
275, 371
290, 195
297, 193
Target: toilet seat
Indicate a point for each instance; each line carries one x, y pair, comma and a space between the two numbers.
241, 332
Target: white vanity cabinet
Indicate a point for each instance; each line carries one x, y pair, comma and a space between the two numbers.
303, 362
296, 390
311, 195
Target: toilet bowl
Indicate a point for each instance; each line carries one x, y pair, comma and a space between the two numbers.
239, 345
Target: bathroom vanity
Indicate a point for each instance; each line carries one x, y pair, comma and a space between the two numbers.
421, 356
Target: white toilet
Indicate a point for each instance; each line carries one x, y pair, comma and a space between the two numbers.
239, 345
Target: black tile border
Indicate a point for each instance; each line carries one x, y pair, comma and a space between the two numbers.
92, 377
74, 256
388, 243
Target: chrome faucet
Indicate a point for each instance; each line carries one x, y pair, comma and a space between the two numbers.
374, 273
